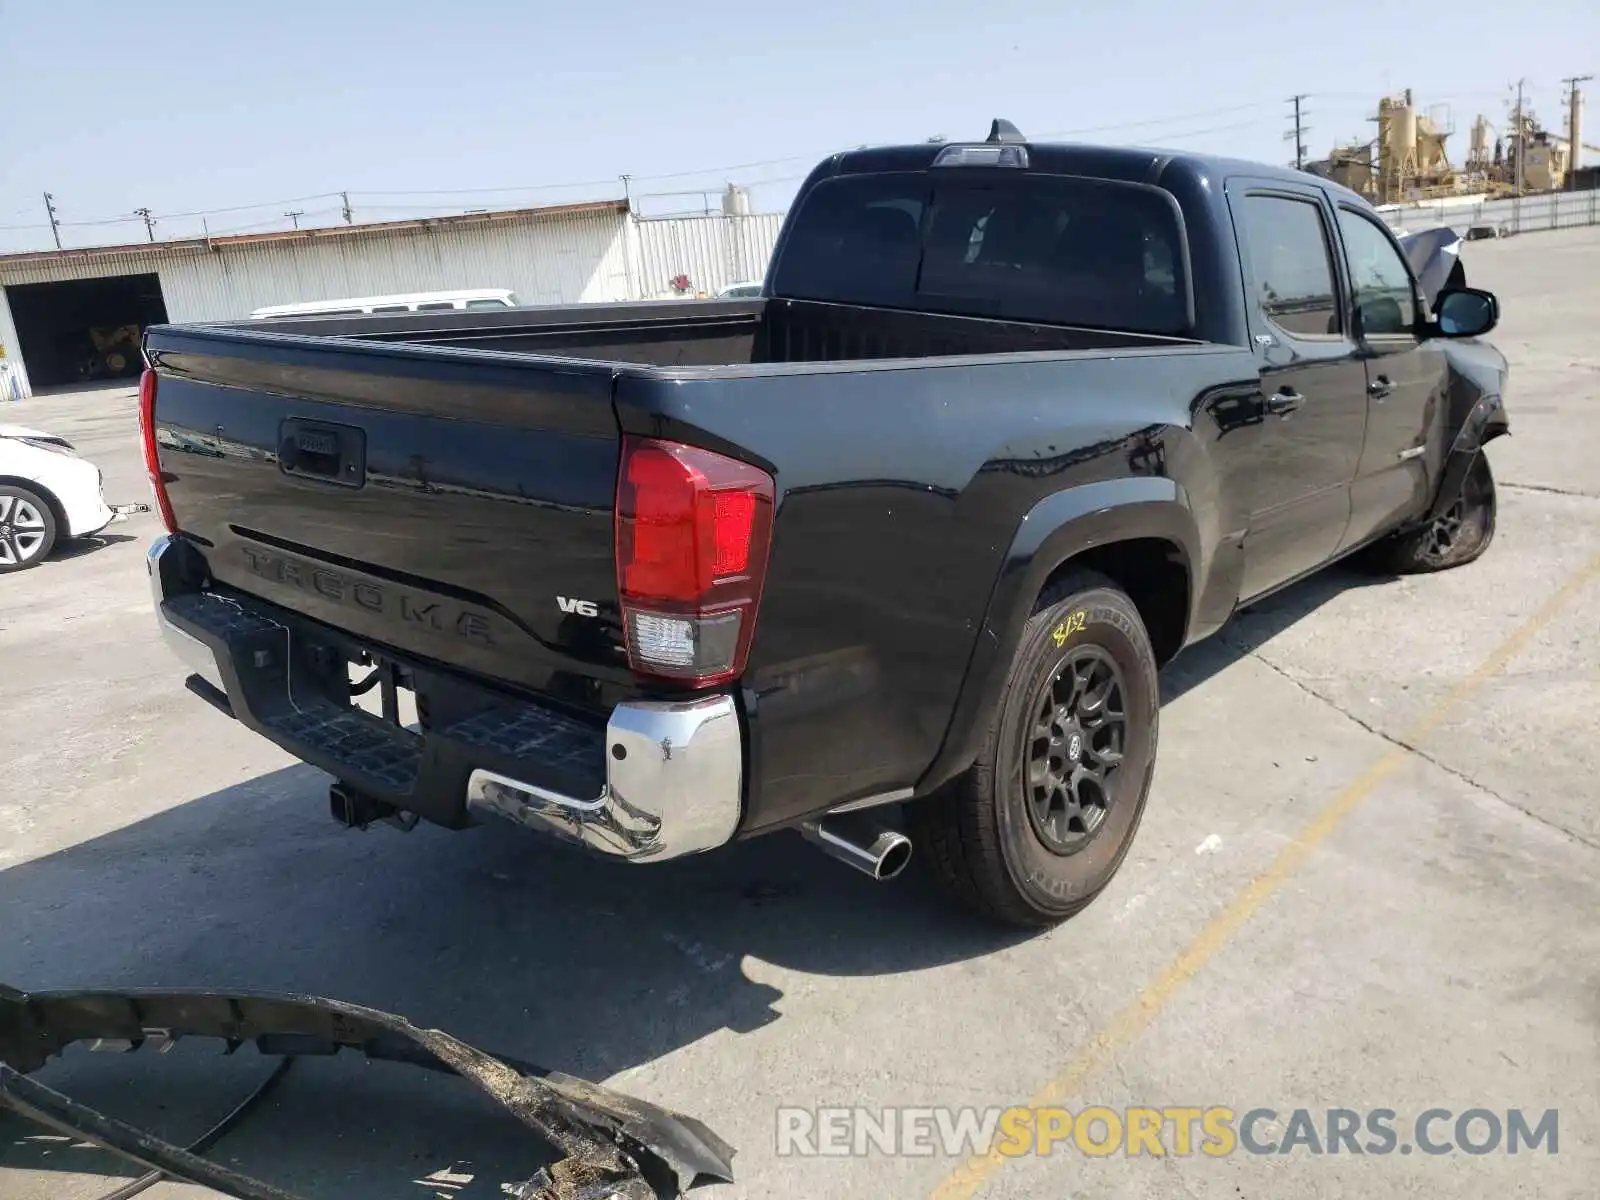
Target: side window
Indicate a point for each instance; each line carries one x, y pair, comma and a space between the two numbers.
1292, 266
436, 306
1384, 294
487, 304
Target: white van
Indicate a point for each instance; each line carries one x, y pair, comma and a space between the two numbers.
412, 302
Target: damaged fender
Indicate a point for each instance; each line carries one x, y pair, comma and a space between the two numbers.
610, 1144
1485, 422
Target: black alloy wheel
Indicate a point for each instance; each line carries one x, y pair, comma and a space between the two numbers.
1074, 751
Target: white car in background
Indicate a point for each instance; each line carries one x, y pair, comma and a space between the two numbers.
48, 494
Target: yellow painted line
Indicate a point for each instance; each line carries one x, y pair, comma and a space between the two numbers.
964, 1182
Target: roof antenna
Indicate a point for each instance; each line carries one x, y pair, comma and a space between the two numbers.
1004, 131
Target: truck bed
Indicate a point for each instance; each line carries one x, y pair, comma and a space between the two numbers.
715, 333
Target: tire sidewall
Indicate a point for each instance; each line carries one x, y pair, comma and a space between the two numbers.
52, 531
1054, 883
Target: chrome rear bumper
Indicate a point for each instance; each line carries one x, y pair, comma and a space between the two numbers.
672, 784
672, 771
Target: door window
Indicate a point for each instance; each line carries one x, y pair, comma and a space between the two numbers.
1379, 277
1292, 266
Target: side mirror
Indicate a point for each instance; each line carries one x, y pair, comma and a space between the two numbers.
1466, 312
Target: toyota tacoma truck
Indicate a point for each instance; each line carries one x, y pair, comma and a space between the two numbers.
889, 554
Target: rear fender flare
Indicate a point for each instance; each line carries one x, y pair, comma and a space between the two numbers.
1057, 528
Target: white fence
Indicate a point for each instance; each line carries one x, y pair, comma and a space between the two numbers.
1519, 214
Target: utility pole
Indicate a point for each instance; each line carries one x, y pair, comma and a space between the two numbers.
149, 222
1298, 133
627, 190
295, 215
55, 225
1574, 124
349, 219
1521, 142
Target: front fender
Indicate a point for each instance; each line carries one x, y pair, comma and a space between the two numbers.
1057, 528
1485, 421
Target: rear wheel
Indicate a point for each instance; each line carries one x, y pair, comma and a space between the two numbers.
1038, 826
27, 529
1457, 536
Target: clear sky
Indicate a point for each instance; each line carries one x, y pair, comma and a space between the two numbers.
188, 108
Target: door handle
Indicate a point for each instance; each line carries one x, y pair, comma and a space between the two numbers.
1380, 387
1284, 402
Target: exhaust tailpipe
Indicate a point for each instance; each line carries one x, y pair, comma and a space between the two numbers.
866, 846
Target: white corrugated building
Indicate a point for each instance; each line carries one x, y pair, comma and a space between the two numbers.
67, 313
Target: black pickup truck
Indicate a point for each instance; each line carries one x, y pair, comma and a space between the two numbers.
1010, 425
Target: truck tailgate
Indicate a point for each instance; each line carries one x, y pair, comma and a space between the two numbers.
453, 504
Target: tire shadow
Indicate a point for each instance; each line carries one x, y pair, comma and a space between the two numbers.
82, 547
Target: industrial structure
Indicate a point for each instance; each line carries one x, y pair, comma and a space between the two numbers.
70, 316
1407, 161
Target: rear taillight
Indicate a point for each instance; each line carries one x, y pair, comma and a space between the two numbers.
152, 459
693, 530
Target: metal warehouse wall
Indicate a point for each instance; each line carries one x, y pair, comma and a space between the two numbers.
560, 260
563, 259
713, 251
13, 379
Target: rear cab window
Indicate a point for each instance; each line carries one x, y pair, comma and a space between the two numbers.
1050, 249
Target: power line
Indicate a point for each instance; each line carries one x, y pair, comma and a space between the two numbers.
484, 191
267, 224
1193, 133
1212, 112
212, 212
808, 158
346, 209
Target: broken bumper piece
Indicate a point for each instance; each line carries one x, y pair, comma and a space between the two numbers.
607, 1144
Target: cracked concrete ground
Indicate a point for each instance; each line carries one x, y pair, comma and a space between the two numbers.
1436, 946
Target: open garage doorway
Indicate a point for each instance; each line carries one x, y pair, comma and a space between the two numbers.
84, 330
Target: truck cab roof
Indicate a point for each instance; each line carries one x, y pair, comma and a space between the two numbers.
1127, 164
